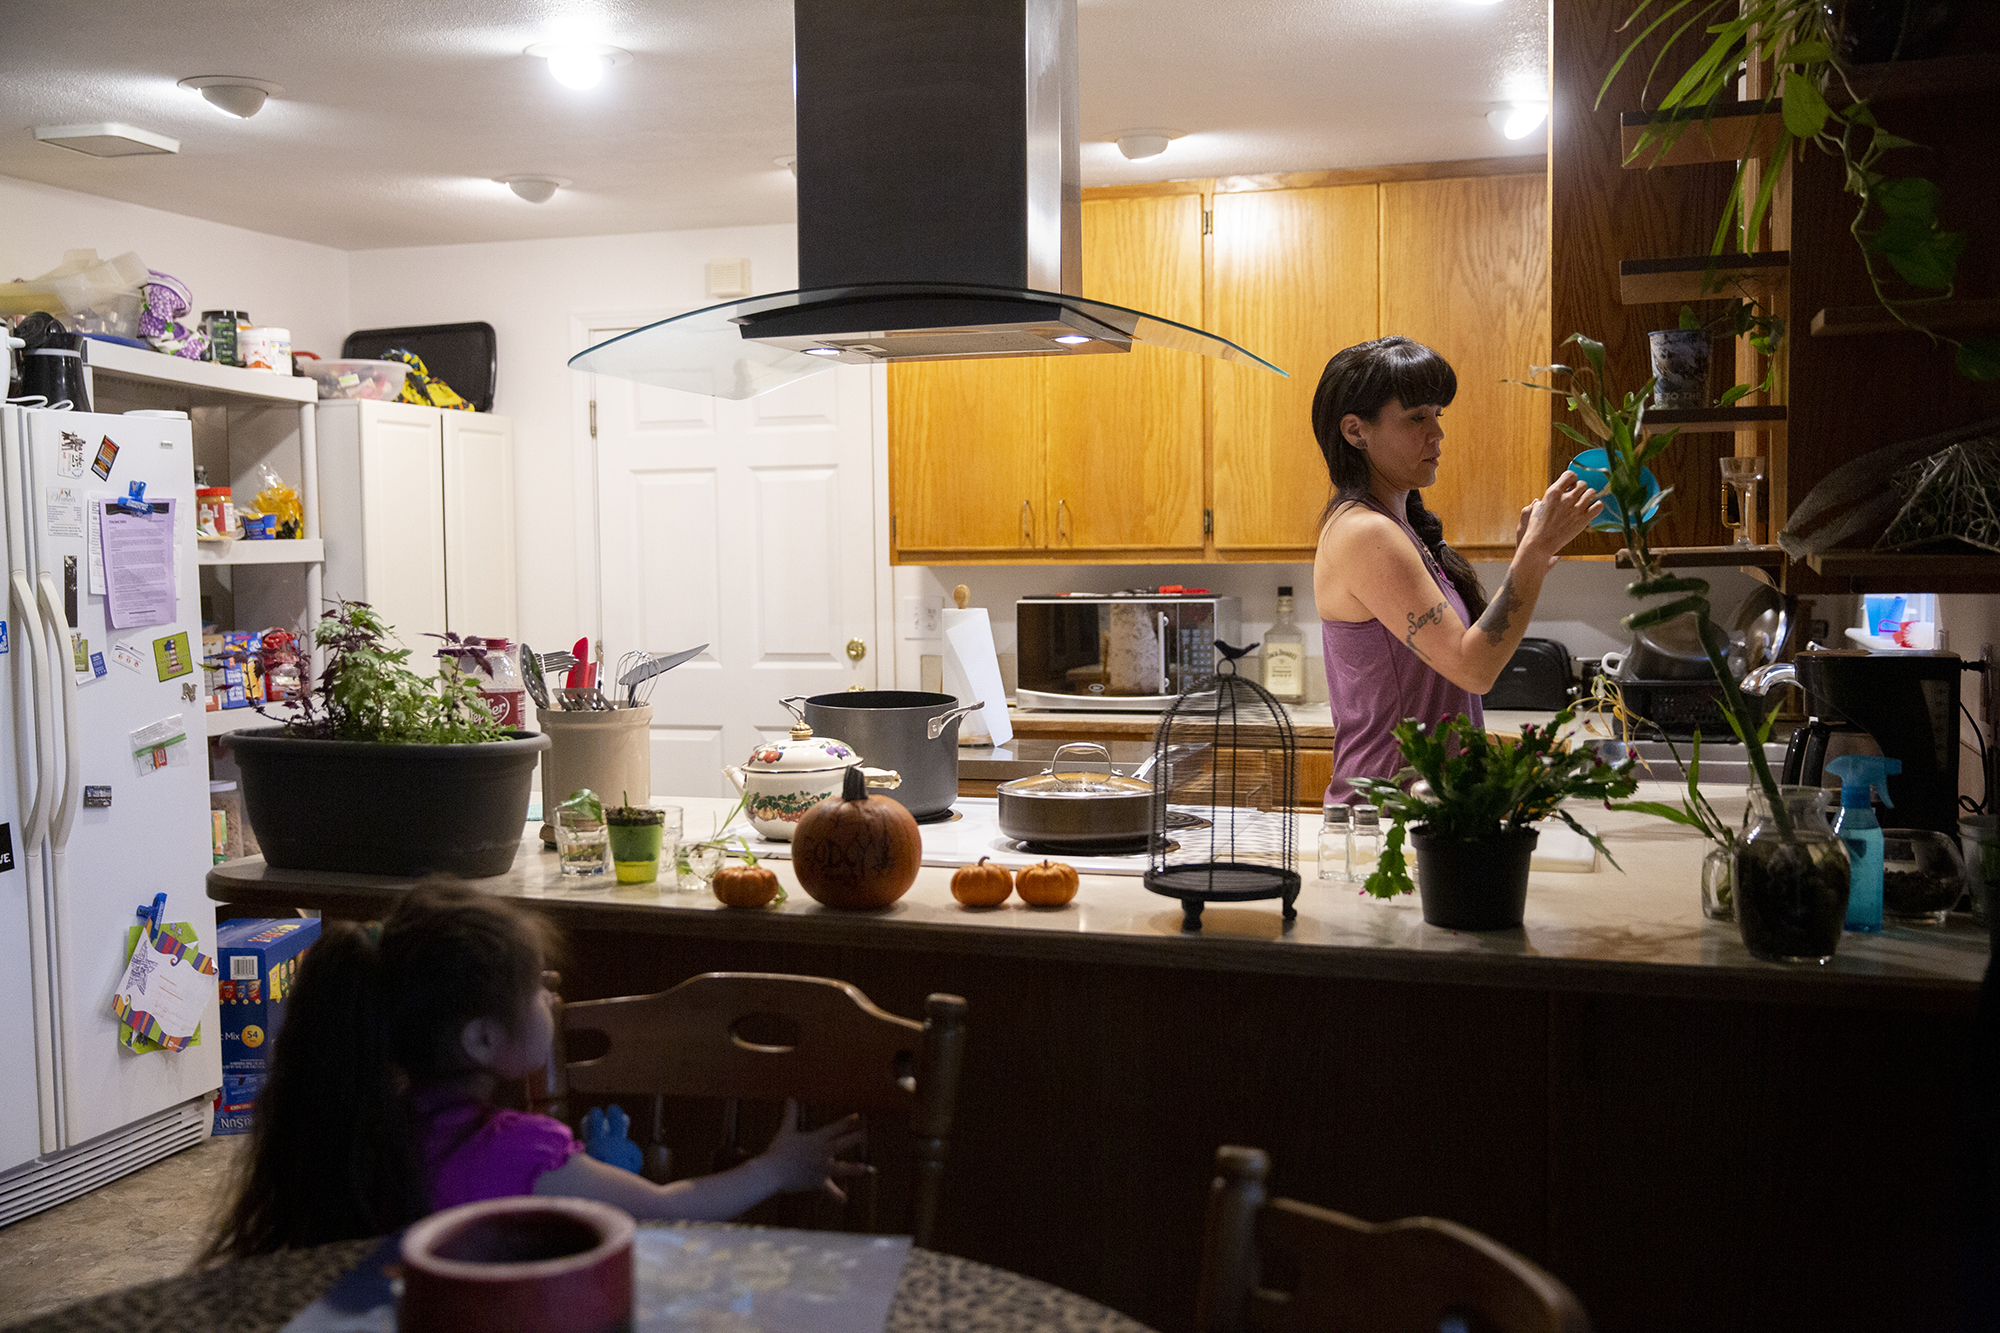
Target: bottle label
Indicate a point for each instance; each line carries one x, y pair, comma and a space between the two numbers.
1282, 668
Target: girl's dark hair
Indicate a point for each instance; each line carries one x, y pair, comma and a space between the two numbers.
377, 1011
1363, 380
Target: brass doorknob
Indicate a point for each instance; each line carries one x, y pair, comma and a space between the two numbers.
856, 650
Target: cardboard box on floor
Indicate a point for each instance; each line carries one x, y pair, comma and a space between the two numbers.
258, 962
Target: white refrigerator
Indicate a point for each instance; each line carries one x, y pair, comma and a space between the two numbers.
86, 837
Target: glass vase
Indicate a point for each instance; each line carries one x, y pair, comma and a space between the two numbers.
1790, 878
1718, 872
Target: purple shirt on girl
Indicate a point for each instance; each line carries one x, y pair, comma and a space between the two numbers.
472, 1150
1374, 680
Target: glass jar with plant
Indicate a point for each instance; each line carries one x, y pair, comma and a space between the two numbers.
1473, 810
1911, 260
1790, 874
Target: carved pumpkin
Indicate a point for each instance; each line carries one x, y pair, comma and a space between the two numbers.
745, 886
1047, 883
854, 852
982, 885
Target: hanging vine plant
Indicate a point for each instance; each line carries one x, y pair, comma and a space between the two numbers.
1911, 259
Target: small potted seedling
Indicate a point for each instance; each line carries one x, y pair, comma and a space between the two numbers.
635, 840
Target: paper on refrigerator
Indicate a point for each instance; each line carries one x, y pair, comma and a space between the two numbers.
165, 989
972, 673
140, 587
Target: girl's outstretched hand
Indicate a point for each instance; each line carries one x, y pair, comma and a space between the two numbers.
802, 1160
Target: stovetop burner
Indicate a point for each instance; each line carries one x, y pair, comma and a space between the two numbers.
942, 817
1116, 847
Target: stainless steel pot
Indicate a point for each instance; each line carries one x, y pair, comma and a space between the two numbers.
911, 731
1075, 808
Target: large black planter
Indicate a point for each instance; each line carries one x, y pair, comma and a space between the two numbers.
1474, 883
387, 809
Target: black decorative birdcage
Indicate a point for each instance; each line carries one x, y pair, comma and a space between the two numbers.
1225, 763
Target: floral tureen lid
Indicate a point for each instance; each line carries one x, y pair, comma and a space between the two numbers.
803, 753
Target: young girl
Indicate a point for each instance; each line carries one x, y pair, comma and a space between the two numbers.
377, 1109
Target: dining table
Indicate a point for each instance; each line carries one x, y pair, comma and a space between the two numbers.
937, 1293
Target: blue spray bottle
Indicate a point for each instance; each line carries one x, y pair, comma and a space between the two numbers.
1861, 776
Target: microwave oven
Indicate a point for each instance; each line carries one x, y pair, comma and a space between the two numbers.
1127, 653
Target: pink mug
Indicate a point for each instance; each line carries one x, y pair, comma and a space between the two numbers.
525, 1264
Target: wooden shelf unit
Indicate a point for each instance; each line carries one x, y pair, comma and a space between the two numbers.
1710, 557
1739, 130
1955, 316
1896, 571
1713, 420
1699, 277
296, 551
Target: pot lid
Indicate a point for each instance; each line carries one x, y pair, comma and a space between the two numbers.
1077, 785
803, 753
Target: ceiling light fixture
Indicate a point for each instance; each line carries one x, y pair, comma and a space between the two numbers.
822, 351
1520, 120
107, 139
1072, 338
534, 188
579, 65
232, 93
1136, 144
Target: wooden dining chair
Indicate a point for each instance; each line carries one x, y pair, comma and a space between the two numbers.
760, 1038
1279, 1266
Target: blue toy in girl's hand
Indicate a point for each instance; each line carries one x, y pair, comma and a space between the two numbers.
607, 1137
1591, 467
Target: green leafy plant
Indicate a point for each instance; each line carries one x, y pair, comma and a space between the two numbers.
1479, 786
1896, 221
1745, 317
1629, 450
367, 691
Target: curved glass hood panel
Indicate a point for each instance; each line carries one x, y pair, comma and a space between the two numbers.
743, 348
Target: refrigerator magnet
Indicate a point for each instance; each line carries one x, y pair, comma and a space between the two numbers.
3, 637
69, 455
6, 846
97, 666
125, 655
171, 656
158, 745
107, 455
96, 798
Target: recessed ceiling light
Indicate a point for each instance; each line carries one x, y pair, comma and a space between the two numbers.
536, 189
580, 64
232, 93
822, 351
107, 139
1520, 120
1072, 338
1136, 144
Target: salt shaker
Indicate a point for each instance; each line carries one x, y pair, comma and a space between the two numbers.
1364, 843
1333, 836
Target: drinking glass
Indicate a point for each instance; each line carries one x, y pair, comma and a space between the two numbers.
583, 843
698, 864
1742, 475
670, 843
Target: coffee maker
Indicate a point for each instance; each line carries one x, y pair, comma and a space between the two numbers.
1905, 702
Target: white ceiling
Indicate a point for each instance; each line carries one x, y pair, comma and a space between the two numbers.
396, 114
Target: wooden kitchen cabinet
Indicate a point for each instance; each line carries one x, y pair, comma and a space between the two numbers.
419, 517
1295, 279
1100, 454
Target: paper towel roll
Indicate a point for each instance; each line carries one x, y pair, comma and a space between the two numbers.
972, 674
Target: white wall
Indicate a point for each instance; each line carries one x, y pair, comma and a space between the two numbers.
293, 284
532, 293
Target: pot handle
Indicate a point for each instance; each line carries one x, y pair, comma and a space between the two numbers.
888, 779
1062, 750
735, 776
792, 706
936, 726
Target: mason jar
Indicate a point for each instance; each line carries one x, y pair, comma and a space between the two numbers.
1790, 878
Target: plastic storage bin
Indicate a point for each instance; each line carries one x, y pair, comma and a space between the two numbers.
380, 380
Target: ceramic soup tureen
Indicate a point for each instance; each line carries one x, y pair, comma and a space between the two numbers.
783, 779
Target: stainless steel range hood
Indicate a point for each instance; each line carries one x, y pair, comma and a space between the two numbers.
939, 209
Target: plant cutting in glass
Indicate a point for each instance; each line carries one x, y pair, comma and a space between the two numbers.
1896, 222
367, 691
1745, 317
1478, 786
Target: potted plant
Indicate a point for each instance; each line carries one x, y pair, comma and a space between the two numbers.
1912, 261
383, 771
1470, 818
1789, 873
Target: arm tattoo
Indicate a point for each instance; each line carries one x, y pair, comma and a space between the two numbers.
1434, 616
1493, 621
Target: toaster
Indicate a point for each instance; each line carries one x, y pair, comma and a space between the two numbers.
1536, 678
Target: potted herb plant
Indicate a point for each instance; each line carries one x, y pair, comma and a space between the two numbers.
1789, 873
635, 835
1470, 818
386, 772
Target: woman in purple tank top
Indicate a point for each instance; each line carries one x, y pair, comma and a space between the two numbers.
1408, 631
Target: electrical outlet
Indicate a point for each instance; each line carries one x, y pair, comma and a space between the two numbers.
920, 618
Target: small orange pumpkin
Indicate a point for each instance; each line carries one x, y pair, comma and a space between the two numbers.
745, 885
1047, 884
855, 852
982, 885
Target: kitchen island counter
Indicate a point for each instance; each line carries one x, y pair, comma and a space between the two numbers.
1636, 929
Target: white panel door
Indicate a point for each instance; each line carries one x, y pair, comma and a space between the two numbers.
402, 523
746, 526
479, 596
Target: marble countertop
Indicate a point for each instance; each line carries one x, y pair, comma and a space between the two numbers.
1636, 929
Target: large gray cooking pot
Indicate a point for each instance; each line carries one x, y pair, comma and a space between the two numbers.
911, 731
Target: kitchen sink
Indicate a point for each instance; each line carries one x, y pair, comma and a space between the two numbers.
1725, 763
